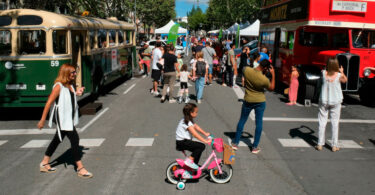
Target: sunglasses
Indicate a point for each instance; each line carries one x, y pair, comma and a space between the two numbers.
73, 72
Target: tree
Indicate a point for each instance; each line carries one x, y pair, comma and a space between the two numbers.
197, 19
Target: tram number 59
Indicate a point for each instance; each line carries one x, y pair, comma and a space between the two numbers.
54, 63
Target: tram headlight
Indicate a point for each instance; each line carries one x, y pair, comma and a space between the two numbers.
367, 72
8, 65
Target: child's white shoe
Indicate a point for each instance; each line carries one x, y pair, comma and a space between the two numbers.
188, 162
187, 100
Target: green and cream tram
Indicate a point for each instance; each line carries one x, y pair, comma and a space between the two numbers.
34, 43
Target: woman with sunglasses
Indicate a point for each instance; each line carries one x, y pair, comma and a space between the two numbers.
65, 114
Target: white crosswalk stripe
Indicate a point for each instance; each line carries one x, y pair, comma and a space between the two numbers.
3, 142
91, 142
244, 142
293, 143
44, 143
140, 142
347, 144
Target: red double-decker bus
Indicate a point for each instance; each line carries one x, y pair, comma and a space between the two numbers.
308, 32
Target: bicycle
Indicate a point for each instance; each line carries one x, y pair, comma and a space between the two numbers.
178, 173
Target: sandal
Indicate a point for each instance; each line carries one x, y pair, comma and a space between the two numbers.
86, 175
334, 149
319, 147
43, 168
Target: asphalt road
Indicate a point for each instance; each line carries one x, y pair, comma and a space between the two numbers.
122, 163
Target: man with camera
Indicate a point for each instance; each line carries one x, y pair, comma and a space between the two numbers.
256, 82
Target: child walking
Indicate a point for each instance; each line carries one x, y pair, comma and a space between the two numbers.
184, 76
180, 63
293, 87
185, 131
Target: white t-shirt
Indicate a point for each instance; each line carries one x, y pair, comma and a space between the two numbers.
182, 131
156, 55
184, 76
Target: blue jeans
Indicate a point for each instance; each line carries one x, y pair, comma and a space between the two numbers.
245, 111
199, 85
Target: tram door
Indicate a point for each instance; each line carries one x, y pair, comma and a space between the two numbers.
275, 53
77, 39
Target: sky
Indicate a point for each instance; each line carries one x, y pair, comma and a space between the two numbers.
184, 6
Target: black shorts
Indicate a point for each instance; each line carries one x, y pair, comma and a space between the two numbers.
183, 85
155, 74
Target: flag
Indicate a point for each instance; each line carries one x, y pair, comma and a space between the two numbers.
238, 36
172, 35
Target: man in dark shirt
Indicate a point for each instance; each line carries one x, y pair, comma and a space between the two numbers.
199, 47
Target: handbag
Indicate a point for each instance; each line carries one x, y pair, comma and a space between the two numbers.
286, 91
229, 155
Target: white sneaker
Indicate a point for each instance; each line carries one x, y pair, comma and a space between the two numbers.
199, 101
141, 72
188, 162
156, 93
187, 100
172, 101
180, 100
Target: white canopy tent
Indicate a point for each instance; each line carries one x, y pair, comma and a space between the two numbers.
165, 29
232, 29
252, 30
213, 31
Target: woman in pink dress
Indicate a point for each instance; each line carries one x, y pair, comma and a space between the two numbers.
293, 87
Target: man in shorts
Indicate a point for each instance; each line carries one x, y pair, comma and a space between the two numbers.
208, 55
156, 72
146, 58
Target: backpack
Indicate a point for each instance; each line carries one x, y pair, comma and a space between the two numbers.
200, 68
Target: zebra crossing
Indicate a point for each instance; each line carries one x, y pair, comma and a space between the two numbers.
147, 142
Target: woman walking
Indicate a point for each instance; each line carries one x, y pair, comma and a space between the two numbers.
169, 75
65, 114
330, 102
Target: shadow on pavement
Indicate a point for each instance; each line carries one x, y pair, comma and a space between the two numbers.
308, 137
372, 141
67, 158
11, 114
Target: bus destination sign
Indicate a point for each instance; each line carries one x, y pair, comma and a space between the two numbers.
349, 6
290, 10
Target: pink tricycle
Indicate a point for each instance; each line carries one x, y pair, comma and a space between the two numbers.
178, 172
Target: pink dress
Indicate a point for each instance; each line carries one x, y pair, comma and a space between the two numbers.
293, 89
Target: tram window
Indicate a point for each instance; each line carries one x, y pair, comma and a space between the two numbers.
92, 39
283, 39
31, 42
363, 39
112, 37
102, 38
5, 42
5, 20
120, 37
290, 40
340, 40
313, 39
59, 41
29, 20
128, 37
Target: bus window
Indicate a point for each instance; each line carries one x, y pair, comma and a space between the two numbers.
340, 40
59, 41
29, 20
290, 40
120, 37
102, 38
314, 39
363, 39
112, 37
5, 20
5, 42
31, 42
92, 39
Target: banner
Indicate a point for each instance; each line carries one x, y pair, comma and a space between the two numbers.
220, 34
172, 35
238, 36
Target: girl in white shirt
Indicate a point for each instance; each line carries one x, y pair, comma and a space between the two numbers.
186, 129
184, 78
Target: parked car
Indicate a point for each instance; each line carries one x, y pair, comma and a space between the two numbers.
179, 49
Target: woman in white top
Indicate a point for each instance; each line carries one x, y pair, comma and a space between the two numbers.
330, 102
65, 114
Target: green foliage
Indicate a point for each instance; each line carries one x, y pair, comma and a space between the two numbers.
196, 18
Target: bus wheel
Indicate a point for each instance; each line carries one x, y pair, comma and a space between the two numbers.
306, 92
367, 94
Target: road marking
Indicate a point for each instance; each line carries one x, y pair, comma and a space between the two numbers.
140, 142
244, 142
93, 120
3, 142
27, 131
36, 144
347, 144
294, 143
130, 88
240, 95
91, 142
